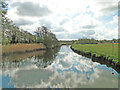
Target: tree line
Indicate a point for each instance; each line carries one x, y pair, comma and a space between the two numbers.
94, 41
12, 34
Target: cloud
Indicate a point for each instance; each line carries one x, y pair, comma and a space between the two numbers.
104, 7
31, 9
45, 22
64, 21
76, 35
109, 7
59, 29
114, 20
23, 22
89, 27
89, 32
84, 19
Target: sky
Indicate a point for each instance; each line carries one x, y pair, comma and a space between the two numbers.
67, 19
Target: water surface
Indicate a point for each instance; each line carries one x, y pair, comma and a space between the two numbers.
60, 67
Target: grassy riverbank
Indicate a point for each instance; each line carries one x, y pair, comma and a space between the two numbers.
11, 48
109, 51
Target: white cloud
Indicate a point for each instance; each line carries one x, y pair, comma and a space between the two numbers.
104, 7
30, 9
64, 17
23, 22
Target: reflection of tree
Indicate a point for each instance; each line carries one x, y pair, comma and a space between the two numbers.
40, 58
48, 57
19, 60
8, 65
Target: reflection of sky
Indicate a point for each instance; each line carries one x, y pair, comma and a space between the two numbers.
0, 81
0, 69
67, 70
6, 82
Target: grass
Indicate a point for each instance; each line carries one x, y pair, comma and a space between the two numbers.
20, 47
107, 50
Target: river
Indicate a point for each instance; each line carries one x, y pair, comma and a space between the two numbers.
56, 68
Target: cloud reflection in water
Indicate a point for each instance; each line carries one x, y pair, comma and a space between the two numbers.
68, 69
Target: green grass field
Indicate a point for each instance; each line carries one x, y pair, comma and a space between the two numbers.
107, 50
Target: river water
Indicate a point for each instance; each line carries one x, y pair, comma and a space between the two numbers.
57, 68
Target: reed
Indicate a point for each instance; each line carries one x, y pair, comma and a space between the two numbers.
10, 48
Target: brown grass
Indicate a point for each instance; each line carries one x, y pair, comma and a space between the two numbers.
21, 47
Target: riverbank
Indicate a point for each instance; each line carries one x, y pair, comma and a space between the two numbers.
20, 48
102, 53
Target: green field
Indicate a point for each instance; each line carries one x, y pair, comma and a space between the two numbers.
107, 50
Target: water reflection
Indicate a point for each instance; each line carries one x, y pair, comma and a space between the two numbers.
59, 68
40, 58
47, 58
